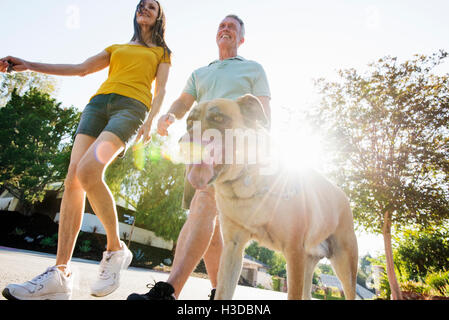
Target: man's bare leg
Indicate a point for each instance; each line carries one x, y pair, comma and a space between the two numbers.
194, 239
213, 254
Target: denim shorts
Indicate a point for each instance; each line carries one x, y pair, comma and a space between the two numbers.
114, 113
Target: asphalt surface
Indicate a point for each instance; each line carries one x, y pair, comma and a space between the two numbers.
18, 266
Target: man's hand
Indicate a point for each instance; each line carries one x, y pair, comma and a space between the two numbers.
144, 132
18, 65
164, 122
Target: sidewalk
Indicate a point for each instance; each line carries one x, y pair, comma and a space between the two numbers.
17, 266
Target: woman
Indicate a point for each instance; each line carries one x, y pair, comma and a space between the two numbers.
108, 123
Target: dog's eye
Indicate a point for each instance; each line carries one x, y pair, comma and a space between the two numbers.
218, 118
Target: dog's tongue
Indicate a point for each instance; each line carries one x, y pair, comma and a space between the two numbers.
200, 175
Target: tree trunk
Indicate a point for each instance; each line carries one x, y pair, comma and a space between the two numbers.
394, 286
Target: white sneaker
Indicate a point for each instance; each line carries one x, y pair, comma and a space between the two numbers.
109, 274
53, 284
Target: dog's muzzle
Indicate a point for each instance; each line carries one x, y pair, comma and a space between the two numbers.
199, 158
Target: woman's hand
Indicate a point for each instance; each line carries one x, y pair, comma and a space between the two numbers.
18, 65
144, 132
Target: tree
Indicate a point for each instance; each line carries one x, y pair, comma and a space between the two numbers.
421, 252
35, 137
274, 260
24, 81
365, 263
387, 133
153, 185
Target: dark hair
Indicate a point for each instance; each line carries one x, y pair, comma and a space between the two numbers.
158, 34
240, 21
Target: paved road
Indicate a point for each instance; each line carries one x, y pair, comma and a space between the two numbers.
17, 266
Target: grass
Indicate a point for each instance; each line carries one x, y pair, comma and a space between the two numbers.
322, 297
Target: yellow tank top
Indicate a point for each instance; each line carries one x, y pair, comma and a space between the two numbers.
132, 70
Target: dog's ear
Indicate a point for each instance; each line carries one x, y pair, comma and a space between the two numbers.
252, 111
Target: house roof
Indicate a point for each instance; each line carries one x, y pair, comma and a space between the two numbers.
332, 281
254, 261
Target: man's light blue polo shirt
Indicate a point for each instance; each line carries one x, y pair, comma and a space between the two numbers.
229, 79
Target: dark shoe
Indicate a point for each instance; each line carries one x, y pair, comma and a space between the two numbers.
158, 291
212, 294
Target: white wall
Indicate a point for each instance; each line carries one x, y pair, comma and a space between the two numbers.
139, 235
265, 279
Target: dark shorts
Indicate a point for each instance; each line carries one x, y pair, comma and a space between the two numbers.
114, 113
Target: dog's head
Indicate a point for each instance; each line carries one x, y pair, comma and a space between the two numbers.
212, 130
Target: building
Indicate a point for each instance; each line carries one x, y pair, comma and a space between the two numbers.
330, 281
255, 273
51, 204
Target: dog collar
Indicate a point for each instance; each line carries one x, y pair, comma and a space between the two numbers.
287, 194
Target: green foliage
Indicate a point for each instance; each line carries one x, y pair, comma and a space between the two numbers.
153, 185
384, 290
416, 287
439, 281
421, 251
386, 135
326, 296
273, 259
50, 241
138, 254
36, 139
23, 82
365, 263
18, 232
326, 269
315, 279
276, 284
85, 246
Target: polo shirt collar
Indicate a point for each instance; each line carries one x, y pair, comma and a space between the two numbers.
240, 58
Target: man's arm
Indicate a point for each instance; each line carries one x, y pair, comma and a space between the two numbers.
182, 105
266, 107
177, 111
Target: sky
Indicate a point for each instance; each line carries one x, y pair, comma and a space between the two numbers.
295, 41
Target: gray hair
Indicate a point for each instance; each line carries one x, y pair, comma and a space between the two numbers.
240, 21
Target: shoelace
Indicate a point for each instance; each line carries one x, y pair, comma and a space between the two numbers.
156, 292
40, 278
151, 286
105, 266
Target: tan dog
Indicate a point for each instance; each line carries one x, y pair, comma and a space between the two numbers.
304, 216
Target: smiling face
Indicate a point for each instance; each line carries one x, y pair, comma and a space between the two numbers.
147, 13
229, 34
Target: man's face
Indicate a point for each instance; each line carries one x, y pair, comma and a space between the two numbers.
229, 34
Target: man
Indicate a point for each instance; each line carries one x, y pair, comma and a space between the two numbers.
229, 77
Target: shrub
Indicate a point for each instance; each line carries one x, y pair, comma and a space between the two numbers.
439, 281
138, 254
85, 246
18, 232
416, 287
50, 241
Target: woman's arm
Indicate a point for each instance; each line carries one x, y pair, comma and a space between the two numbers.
91, 65
159, 90
159, 94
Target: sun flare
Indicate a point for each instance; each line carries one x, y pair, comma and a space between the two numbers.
298, 150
